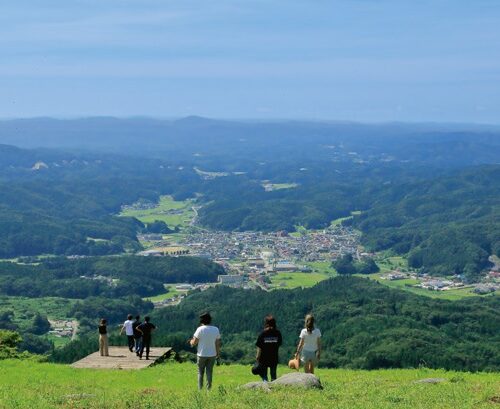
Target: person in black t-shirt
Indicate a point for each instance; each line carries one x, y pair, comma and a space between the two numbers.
267, 345
146, 328
103, 338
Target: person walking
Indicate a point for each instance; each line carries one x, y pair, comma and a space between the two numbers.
103, 338
309, 348
145, 329
137, 335
268, 343
207, 339
129, 331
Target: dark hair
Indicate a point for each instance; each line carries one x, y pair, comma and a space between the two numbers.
309, 323
146, 318
129, 317
269, 322
205, 318
103, 321
137, 317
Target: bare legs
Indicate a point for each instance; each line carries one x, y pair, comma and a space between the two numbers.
309, 367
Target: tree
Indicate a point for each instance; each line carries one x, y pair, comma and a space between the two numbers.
8, 344
40, 325
344, 265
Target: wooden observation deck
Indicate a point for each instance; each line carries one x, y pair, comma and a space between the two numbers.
122, 358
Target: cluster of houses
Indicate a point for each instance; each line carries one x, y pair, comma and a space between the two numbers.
311, 246
112, 282
489, 284
62, 328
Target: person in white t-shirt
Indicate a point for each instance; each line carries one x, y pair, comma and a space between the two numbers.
207, 338
309, 348
128, 326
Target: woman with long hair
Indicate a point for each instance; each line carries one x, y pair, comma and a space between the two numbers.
267, 345
309, 348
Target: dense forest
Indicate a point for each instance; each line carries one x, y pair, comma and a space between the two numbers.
449, 225
103, 276
364, 325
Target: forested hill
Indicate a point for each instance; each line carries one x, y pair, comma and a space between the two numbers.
447, 225
364, 325
103, 276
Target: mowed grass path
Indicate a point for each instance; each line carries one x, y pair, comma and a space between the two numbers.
30, 385
160, 212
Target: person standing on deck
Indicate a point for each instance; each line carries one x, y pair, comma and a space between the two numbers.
137, 335
207, 338
145, 329
103, 338
129, 331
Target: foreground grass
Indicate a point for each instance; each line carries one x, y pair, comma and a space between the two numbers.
29, 385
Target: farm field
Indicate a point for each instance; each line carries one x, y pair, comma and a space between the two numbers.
278, 186
341, 219
173, 213
24, 384
295, 280
323, 267
170, 292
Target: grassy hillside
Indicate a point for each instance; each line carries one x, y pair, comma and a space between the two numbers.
24, 384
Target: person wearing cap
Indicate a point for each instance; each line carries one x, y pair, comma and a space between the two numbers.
207, 339
267, 345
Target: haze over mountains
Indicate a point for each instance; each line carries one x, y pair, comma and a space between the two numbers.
444, 144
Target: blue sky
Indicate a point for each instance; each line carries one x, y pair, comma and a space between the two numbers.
361, 60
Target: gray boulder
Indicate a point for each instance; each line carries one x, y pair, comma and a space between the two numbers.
298, 380
294, 380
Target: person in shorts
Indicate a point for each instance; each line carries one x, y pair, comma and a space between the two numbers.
309, 348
